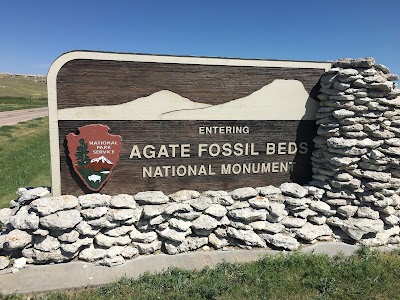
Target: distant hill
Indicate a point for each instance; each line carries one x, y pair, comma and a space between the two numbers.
25, 86
279, 100
151, 107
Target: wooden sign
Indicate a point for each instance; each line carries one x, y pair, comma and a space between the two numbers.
179, 122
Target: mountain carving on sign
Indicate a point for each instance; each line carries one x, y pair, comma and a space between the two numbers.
101, 163
279, 100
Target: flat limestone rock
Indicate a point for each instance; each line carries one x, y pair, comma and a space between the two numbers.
5, 215
118, 231
367, 212
189, 244
46, 243
249, 237
382, 238
184, 195
201, 203
94, 200
259, 202
267, 226
25, 220
47, 206
111, 262
354, 63
305, 213
205, 222
188, 215
142, 237
268, 190
61, 220
369, 143
343, 113
347, 210
280, 240
243, 193
73, 248
291, 222
4, 262
92, 254
30, 194
248, 214
277, 211
356, 228
122, 201
149, 248
216, 210
180, 224
17, 239
174, 235
174, 207
67, 237
217, 241
219, 197
310, 232
151, 197
129, 252
120, 214
107, 241
339, 142
151, 211
94, 213
317, 220
293, 189
322, 207
41, 257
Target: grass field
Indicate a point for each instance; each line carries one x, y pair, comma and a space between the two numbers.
365, 275
24, 157
20, 92
14, 103
23, 86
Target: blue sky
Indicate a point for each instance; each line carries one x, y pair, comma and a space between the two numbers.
35, 33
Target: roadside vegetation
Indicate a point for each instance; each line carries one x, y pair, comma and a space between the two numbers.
24, 157
365, 275
15, 103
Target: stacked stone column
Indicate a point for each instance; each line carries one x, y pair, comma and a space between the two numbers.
357, 156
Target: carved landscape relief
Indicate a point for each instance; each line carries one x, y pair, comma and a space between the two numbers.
279, 100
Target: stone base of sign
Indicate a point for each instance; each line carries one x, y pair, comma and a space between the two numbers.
107, 230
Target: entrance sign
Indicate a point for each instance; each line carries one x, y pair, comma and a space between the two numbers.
177, 123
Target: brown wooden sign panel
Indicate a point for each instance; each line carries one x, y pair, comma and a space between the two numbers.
184, 122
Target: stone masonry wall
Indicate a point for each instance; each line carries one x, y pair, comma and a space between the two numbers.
109, 229
356, 160
353, 197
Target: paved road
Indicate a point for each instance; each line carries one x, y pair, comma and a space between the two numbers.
15, 116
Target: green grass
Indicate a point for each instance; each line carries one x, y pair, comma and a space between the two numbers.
365, 275
22, 86
24, 157
14, 103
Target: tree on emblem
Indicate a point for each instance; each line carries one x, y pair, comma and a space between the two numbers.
81, 154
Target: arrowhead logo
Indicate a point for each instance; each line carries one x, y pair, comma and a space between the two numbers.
94, 152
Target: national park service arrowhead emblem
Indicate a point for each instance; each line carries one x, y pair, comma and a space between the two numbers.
94, 152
